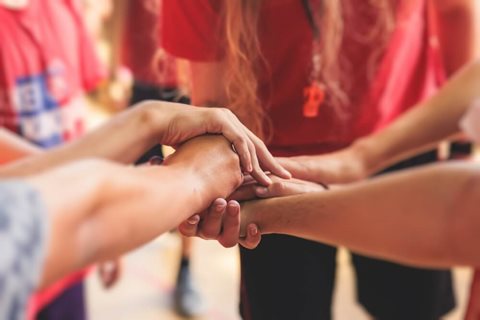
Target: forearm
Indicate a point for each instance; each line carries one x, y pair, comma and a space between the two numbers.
425, 125
123, 139
98, 211
13, 147
423, 217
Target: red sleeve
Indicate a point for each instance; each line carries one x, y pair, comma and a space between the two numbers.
191, 29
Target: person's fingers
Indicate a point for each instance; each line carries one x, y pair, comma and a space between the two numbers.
266, 159
240, 145
244, 193
211, 223
296, 168
231, 225
252, 238
109, 273
189, 227
257, 172
224, 122
278, 189
283, 188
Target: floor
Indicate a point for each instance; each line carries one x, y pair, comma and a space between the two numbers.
144, 292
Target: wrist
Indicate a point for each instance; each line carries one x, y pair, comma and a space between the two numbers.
366, 151
154, 118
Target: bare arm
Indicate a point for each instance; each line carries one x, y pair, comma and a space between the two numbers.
427, 217
13, 147
457, 17
417, 130
99, 210
126, 137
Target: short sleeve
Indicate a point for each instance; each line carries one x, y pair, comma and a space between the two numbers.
23, 233
191, 29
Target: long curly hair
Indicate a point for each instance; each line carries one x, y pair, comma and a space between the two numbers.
244, 57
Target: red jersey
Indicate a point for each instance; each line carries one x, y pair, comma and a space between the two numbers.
403, 77
47, 61
141, 45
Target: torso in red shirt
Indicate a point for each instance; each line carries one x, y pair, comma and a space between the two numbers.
190, 29
46, 63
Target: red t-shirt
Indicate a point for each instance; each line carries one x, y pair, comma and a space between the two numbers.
141, 44
190, 30
47, 62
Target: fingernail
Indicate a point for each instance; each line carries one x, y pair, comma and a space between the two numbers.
193, 220
261, 191
156, 160
253, 230
219, 207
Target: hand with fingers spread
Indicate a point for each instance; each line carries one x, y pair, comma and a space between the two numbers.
177, 123
221, 222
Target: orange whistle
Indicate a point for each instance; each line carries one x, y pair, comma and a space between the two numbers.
314, 97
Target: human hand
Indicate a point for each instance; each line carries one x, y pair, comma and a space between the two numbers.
279, 187
211, 160
347, 165
221, 222
110, 272
176, 123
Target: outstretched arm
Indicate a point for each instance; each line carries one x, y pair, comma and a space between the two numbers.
99, 210
126, 137
427, 217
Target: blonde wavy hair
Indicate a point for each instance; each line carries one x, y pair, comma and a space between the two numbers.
245, 61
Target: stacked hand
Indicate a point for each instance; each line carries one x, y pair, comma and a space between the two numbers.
177, 123
223, 220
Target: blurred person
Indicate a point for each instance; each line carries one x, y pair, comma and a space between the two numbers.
47, 64
337, 71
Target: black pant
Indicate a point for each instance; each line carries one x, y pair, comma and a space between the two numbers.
142, 92
292, 278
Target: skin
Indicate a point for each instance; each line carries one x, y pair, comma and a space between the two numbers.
397, 142
118, 206
366, 156
436, 227
436, 196
126, 137
420, 129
